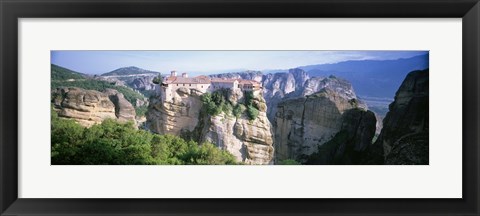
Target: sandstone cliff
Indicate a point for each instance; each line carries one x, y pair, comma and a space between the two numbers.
250, 141
404, 137
89, 107
302, 124
177, 116
350, 144
276, 86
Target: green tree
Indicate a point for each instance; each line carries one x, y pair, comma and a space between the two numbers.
158, 79
289, 162
112, 142
238, 110
227, 108
206, 154
141, 110
249, 97
252, 112
66, 136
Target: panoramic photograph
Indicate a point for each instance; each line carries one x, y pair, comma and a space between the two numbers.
287, 107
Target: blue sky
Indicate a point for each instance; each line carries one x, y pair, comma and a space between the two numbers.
204, 62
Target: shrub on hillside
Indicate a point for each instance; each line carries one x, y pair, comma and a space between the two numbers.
112, 142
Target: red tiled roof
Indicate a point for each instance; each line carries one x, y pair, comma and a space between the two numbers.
220, 80
251, 82
187, 80
206, 80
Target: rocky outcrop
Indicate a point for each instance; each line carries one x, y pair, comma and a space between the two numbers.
89, 107
276, 86
176, 116
302, 124
250, 141
404, 137
349, 145
342, 87
142, 83
124, 110
293, 83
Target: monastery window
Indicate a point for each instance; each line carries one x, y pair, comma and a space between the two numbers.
189, 84
201, 86
184, 84
177, 84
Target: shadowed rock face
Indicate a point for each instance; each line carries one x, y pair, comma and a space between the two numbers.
89, 107
124, 110
343, 134
404, 137
349, 144
302, 124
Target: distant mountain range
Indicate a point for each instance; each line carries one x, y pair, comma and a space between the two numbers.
373, 78
132, 70
369, 78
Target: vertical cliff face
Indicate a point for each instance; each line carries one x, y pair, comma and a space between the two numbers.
124, 110
302, 124
89, 107
350, 144
277, 86
176, 116
404, 137
344, 134
250, 141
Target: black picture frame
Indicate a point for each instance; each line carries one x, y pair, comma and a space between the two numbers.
12, 10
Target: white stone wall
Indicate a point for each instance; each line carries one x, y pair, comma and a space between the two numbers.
225, 85
172, 88
200, 87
